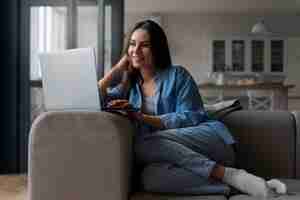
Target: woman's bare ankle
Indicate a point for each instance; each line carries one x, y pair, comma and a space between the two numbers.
218, 172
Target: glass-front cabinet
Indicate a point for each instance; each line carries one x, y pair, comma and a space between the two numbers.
219, 55
238, 55
277, 55
257, 55
247, 55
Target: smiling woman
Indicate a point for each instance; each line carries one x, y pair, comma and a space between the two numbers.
178, 147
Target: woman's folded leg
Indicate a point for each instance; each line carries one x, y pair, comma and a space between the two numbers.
197, 153
157, 150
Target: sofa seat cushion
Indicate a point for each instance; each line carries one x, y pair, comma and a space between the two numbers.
159, 196
292, 194
283, 197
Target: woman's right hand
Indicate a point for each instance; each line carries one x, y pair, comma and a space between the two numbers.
124, 64
120, 72
120, 68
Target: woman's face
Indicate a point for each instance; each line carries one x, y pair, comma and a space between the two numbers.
139, 50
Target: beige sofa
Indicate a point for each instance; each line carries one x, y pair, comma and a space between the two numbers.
88, 155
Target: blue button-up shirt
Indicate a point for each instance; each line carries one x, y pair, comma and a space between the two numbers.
177, 102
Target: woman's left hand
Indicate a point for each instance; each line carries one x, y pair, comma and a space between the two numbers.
124, 104
119, 104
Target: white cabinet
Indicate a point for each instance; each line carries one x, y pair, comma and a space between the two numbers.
249, 54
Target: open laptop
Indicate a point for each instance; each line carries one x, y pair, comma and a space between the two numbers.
69, 80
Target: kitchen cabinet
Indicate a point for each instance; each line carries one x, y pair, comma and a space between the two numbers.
249, 54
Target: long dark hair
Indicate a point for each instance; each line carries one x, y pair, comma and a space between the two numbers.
159, 46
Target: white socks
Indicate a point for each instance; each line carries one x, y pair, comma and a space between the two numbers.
245, 182
252, 185
277, 186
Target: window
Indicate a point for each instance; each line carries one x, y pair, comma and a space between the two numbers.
87, 30
50, 25
47, 33
66, 24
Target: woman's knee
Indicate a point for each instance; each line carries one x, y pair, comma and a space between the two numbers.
148, 149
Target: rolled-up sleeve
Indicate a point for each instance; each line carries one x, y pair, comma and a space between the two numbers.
116, 92
189, 106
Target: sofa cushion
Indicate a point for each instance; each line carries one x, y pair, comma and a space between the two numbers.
293, 186
158, 196
293, 193
265, 142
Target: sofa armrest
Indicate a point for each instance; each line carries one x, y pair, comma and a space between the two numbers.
80, 155
297, 121
266, 142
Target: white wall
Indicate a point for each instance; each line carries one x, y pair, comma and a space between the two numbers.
189, 36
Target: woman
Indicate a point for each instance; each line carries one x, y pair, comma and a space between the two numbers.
182, 151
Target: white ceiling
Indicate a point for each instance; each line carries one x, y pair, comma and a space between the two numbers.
265, 7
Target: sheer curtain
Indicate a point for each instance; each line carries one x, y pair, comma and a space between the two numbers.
48, 33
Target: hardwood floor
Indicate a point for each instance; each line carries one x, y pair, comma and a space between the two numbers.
13, 187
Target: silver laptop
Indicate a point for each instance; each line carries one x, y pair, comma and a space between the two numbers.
69, 80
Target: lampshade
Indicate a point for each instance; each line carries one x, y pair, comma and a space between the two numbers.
260, 28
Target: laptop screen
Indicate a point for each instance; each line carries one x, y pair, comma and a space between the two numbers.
69, 80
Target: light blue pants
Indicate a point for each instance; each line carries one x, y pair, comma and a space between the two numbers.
180, 161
